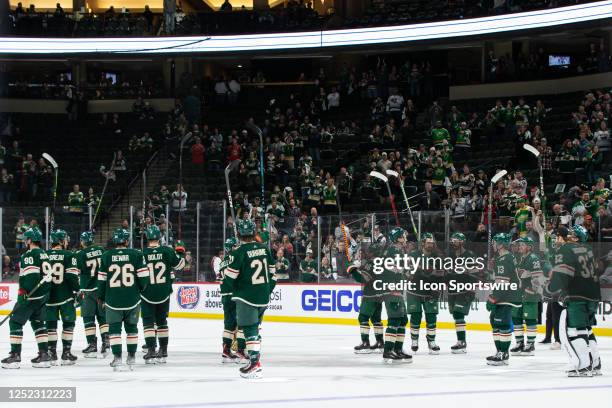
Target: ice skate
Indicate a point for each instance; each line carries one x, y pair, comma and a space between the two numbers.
162, 355
130, 361
150, 357
117, 363
555, 346
251, 370
499, 359
583, 372
459, 348
378, 347
52, 357
68, 358
518, 349
528, 350
228, 357
415, 345
406, 358
42, 360
363, 348
243, 359
12, 362
433, 347
391, 357
91, 351
105, 348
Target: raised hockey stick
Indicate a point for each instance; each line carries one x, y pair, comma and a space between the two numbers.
233, 165
494, 180
537, 155
384, 178
255, 129
110, 169
343, 230
55, 166
406, 201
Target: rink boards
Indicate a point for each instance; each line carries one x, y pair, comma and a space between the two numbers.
306, 303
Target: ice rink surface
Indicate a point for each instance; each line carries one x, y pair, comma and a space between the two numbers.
314, 366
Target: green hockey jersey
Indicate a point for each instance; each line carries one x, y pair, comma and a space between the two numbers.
33, 265
88, 263
122, 276
573, 274
251, 274
65, 277
161, 262
225, 284
529, 269
505, 272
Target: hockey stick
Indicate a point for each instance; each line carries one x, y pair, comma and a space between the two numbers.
537, 155
401, 183
255, 129
29, 295
55, 166
384, 178
343, 230
228, 170
494, 181
93, 223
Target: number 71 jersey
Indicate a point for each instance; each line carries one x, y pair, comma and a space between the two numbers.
251, 274
161, 262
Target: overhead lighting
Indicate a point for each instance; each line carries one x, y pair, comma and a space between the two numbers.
561, 16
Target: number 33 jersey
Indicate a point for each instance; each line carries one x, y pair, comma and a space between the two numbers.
122, 276
161, 263
251, 274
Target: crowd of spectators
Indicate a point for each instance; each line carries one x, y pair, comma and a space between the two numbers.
293, 15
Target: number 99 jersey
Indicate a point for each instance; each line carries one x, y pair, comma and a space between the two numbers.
161, 263
251, 274
64, 276
122, 276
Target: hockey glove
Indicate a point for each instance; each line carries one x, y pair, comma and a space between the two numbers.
22, 297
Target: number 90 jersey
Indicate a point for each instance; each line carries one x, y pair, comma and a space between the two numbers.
64, 276
161, 262
122, 276
251, 274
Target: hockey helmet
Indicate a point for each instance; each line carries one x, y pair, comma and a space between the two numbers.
153, 233
87, 237
230, 243
58, 236
120, 236
245, 227
580, 232
397, 233
32, 234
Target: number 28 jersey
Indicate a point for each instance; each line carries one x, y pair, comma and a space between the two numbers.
251, 274
122, 276
161, 262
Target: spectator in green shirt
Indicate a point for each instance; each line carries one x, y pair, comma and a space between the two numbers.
76, 200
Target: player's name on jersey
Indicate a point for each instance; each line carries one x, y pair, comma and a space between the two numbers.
94, 254
56, 257
256, 252
155, 257
450, 286
120, 258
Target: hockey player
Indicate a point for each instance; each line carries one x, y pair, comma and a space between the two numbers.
229, 312
250, 278
575, 282
530, 272
394, 303
502, 300
122, 276
419, 300
32, 295
370, 308
89, 259
161, 263
64, 286
459, 302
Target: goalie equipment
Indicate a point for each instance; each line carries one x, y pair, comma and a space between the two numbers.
577, 348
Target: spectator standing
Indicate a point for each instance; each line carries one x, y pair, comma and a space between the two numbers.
197, 154
20, 228
179, 199
76, 200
